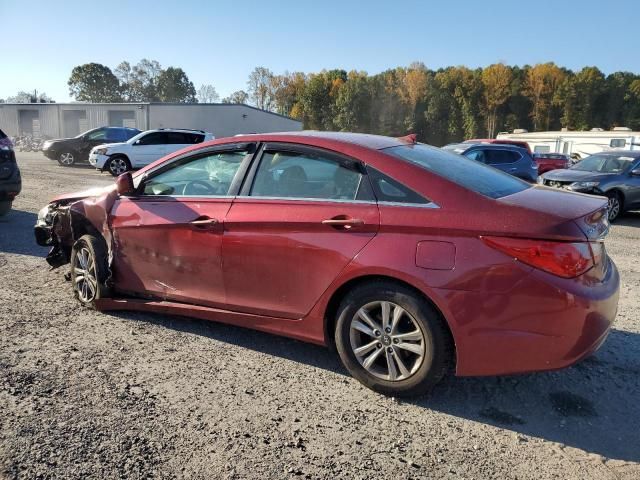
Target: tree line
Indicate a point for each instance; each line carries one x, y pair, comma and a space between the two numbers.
440, 106
453, 103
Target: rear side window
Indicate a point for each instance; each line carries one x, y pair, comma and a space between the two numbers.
498, 157
387, 189
467, 173
2, 135
177, 138
194, 137
156, 138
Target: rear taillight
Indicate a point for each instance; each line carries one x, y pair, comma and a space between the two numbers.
564, 259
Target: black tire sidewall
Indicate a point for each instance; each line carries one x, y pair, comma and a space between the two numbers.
620, 205
436, 360
97, 249
5, 207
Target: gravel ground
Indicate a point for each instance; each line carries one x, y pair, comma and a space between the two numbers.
121, 395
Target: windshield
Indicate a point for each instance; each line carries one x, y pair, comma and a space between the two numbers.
604, 163
467, 173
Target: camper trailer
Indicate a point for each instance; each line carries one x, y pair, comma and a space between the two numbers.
576, 144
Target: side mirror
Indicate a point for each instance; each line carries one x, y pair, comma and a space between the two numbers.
137, 142
124, 184
635, 172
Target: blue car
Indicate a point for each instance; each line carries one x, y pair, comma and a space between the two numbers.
508, 158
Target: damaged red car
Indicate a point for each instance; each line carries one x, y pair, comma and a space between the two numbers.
411, 261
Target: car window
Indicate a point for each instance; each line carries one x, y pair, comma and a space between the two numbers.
209, 175
604, 163
296, 175
177, 138
461, 170
477, 155
155, 138
115, 134
387, 189
498, 157
100, 134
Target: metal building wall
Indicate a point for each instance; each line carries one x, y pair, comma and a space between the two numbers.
223, 120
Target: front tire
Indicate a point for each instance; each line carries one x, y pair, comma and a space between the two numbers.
89, 270
118, 165
392, 340
67, 159
616, 205
5, 207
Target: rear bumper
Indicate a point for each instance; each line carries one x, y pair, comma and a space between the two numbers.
543, 323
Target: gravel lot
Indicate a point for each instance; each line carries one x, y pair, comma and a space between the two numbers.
121, 395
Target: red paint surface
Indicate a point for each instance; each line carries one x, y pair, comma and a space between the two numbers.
274, 266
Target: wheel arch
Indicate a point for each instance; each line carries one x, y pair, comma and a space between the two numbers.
338, 295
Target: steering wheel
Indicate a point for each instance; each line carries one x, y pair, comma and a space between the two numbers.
199, 187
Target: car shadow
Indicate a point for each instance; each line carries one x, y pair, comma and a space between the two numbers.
629, 219
16, 234
592, 406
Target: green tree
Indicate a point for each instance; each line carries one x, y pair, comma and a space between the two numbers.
175, 86
93, 82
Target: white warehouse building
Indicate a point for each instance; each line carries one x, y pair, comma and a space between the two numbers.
64, 120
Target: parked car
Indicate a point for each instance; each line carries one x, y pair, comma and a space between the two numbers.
614, 174
10, 181
69, 151
143, 149
508, 158
499, 141
359, 241
551, 161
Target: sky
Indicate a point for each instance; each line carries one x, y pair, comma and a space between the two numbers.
220, 42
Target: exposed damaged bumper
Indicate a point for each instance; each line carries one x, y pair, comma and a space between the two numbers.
51, 230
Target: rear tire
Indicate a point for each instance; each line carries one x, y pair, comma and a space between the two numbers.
118, 165
67, 159
403, 356
5, 207
616, 205
89, 270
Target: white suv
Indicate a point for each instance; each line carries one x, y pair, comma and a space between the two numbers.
144, 148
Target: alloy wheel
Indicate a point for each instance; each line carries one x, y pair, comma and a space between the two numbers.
118, 166
66, 158
614, 207
387, 341
84, 275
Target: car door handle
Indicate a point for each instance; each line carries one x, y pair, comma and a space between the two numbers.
343, 223
203, 223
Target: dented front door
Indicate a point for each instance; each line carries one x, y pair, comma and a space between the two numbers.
170, 248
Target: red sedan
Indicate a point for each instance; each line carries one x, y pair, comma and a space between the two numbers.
410, 260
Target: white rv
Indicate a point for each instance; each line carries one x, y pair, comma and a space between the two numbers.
577, 144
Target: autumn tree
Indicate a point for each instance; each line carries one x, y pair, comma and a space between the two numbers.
541, 86
260, 87
496, 79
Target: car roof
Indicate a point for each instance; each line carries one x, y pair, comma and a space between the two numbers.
620, 153
376, 142
181, 130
